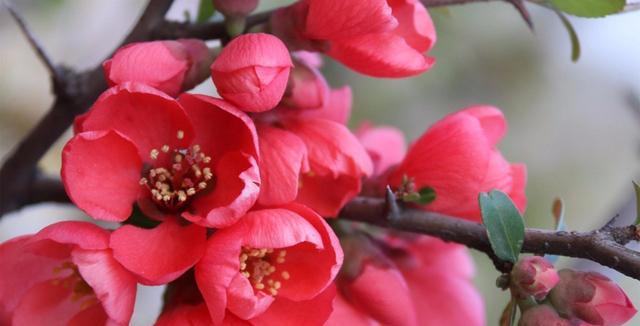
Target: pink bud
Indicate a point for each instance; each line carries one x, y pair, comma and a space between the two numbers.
170, 66
534, 276
235, 8
592, 297
542, 315
252, 72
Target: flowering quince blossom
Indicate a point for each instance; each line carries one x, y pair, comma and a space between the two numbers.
591, 297
380, 38
252, 71
64, 275
194, 157
271, 261
457, 157
534, 276
178, 65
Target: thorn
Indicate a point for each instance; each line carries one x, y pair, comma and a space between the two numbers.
35, 44
393, 210
610, 224
520, 7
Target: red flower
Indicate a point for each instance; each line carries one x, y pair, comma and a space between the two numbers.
534, 276
194, 157
268, 263
422, 280
381, 38
591, 297
252, 71
170, 66
458, 158
65, 274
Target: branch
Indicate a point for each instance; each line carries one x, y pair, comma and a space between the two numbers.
75, 92
604, 246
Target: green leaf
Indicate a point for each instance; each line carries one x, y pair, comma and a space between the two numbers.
504, 224
636, 187
508, 317
589, 8
205, 10
422, 197
573, 36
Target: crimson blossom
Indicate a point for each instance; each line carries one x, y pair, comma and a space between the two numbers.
194, 158
64, 275
380, 38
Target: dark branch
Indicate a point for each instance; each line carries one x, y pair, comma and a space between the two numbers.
605, 246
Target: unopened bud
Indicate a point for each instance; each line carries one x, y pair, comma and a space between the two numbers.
591, 297
542, 315
534, 276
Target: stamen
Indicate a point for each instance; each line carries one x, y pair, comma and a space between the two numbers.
154, 154
165, 148
180, 134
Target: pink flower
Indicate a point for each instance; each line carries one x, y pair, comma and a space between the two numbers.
381, 38
235, 8
385, 145
194, 158
252, 71
534, 276
422, 280
170, 66
592, 297
65, 274
458, 158
271, 261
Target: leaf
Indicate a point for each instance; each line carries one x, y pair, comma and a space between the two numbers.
573, 36
636, 187
422, 197
205, 10
504, 224
589, 8
508, 317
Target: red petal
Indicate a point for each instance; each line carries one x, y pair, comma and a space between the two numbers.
220, 127
313, 192
101, 173
243, 302
311, 269
385, 146
94, 315
491, 119
517, 193
161, 254
315, 311
333, 19
143, 114
282, 157
112, 284
277, 228
185, 315
45, 303
337, 108
415, 24
20, 270
346, 314
82, 234
254, 49
380, 55
235, 191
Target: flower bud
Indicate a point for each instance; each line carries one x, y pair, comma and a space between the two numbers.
235, 8
252, 72
542, 315
307, 88
170, 66
591, 297
534, 276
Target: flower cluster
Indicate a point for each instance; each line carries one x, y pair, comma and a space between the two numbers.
230, 200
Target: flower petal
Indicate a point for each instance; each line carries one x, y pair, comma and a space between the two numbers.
277, 228
315, 311
161, 254
313, 192
85, 235
100, 172
114, 286
146, 116
415, 24
282, 157
385, 145
337, 107
346, 314
331, 19
243, 302
185, 315
45, 303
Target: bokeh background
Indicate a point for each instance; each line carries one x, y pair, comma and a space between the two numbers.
573, 124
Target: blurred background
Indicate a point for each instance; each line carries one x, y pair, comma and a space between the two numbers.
571, 123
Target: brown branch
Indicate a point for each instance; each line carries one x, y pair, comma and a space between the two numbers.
604, 246
75, 92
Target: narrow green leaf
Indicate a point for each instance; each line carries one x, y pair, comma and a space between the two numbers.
504, 224
573, 36
589, 8
636, 187
205, 10
422, 197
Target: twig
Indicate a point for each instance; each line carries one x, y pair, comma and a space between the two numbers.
602, 246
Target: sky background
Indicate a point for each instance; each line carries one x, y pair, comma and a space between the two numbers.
571, 123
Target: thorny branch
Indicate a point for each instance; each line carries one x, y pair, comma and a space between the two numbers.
22, 184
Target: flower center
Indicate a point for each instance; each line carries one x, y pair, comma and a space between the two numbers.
260, 267
188, 173
80, 289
